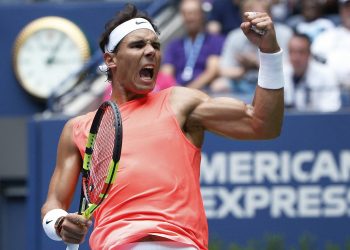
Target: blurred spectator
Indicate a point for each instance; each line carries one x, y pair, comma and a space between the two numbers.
332, 47
310, 85
310, 21
193, 59
239, 60
280, 10
224, 17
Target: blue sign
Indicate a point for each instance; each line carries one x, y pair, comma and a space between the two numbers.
292, 191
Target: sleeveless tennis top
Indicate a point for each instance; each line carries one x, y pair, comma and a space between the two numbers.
157, 190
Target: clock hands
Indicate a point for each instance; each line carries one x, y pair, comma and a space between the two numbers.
54, 51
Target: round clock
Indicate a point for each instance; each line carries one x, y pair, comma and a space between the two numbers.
47, 54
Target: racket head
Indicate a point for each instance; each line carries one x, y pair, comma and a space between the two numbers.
101, 158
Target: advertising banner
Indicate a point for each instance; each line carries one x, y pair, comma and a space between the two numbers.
290, 193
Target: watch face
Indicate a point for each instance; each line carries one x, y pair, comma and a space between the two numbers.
47, 56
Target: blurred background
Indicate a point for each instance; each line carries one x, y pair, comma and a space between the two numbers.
289, 193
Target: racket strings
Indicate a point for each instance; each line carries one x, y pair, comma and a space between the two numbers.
101, 155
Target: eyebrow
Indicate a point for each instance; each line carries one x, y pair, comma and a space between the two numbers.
140, 41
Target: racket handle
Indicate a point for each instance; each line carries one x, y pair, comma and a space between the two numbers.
72, 246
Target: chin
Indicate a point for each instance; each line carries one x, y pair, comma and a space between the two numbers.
144, 89
146, 85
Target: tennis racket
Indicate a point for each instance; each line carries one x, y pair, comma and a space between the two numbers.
101, 159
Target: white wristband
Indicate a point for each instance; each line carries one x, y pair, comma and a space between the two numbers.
271, 70
49, 221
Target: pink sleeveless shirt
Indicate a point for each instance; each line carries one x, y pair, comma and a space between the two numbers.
157, 190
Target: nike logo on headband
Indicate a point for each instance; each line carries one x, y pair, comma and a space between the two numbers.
48, 221
139, 22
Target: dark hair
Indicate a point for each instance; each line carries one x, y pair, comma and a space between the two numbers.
303, 36
129, 12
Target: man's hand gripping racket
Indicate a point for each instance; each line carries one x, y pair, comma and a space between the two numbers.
101, 159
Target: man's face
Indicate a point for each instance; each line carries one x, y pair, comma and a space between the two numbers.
311, 9
192, 15
299, 54
138, 61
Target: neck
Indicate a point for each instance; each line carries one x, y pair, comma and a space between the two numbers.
193, 35
121, 95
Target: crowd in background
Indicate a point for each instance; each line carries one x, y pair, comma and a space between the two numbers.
215, 56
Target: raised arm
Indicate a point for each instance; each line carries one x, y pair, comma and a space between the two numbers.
233, 118
56, 221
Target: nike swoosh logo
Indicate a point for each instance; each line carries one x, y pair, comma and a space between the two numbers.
139, 22
48, 221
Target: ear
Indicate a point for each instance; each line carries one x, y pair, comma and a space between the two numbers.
110, 60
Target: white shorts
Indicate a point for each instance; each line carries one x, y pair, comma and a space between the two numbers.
156, 245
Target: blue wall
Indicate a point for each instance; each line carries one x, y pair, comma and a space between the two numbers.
242, 203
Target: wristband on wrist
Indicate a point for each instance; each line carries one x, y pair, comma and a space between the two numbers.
52, 223
271, 70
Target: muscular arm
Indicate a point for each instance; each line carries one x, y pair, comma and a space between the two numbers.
235, 119
74, 227
66, 173
230, 117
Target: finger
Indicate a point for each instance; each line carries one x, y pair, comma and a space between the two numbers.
249, 16
72, 219
77, 233
245, 26
78, 219
255, 18
258, 30
258, 20
262, 24
73, 228
76, 225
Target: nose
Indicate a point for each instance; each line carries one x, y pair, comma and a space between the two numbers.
150, 51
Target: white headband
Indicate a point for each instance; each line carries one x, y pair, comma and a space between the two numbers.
125, 28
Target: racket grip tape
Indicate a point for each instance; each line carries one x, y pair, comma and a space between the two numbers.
72, 246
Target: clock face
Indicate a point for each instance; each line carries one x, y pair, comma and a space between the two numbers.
47, 54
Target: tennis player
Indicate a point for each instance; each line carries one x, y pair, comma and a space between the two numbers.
155, 202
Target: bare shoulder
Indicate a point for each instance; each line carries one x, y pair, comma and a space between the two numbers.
184, 100
198, 112
75, 125
66, 138
195, 104
71, 122
83, 121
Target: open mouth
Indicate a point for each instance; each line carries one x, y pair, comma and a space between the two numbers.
147, 73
